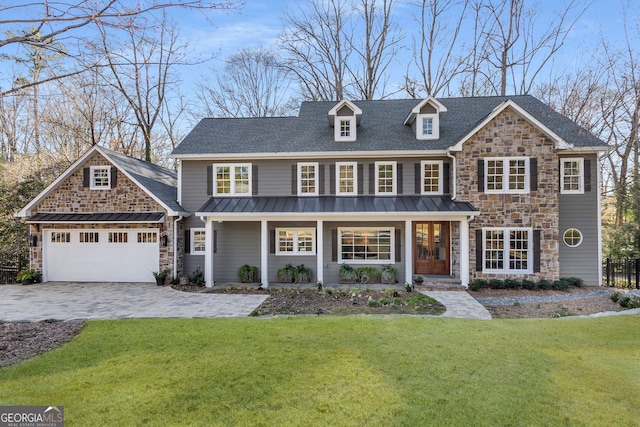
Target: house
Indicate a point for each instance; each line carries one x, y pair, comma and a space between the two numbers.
487, 187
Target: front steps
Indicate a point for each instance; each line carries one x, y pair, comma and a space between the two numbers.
440, 283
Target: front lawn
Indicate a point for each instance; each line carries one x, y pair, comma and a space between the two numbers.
335, 371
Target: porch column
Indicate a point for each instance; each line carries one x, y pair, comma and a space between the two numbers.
464, 252
208, 253
408, 252
264, 253
320, 251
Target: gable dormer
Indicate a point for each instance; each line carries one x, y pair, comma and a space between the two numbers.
425, 118
344, 117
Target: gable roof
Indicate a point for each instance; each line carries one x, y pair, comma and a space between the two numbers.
440, 108
158, 182
382, 129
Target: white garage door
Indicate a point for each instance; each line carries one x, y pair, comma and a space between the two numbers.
118, 255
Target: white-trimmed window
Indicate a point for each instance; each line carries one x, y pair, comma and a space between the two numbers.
198, 241
60, 237
118, 237
506, 175
100, 177
308, 179
431, 176
385, 179
232, 179
299, 241
364, 245
572, 237
346, 178
88, 237
427, 126
345, 128
507, 250
572, 176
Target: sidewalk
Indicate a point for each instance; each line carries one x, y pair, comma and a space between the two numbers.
460, 305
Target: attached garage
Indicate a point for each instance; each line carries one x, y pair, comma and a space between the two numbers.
100, 255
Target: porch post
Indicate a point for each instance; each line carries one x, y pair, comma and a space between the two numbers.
320, 251
464, 252
208, 253
408, 252
264, 253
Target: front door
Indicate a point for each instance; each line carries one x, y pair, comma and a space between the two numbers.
431, 243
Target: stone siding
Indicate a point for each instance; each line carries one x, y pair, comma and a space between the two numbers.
511, 135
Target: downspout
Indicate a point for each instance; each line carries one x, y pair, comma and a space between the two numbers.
175, 246
452, 183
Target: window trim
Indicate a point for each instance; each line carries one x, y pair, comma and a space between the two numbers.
337, 128
316, 182
506, 251
192, 249
564, 237
580, 161
440, 164
92, 177
296, 251
355, 179
394, 178
232, 173
506, 176
435, 126
392, 245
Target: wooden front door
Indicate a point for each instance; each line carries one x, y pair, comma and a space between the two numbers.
431, 243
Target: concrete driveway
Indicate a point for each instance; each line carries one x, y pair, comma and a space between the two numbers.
71, 301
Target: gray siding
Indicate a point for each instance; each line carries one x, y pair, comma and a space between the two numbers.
580, 211
279, 261
238, 244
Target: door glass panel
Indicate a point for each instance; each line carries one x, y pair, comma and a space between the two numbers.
422, 242
440, 241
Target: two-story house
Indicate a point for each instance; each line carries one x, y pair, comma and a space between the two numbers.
454, 187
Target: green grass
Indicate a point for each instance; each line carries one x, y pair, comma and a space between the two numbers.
339, 371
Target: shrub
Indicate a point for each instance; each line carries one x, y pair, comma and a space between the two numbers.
496, 284
319, 286
286, 274
28, 276
512, 284
473, 286
247, 274
529, 284
419, 300
373, 303
629, 302
302, 274
388, 274
479, 283
615, 296
560, 285
197, 278
408, 287
347, 274
575, 281
368, 275
544, 284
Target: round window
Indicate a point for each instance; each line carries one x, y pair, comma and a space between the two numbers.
572, 237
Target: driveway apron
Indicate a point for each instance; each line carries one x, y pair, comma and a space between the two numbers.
71, 301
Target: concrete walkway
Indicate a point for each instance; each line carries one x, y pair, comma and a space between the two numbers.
460, 305
72, 301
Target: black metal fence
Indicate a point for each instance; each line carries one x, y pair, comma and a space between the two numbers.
10, 265
622, 273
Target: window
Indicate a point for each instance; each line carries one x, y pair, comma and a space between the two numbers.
60, 237
198, 241
505, 175
366, 245
147, 237
427, 126
88, 237
345, 128
100, 177
507, 250
385, 178
232, 179
572, 237
118, 237
431, 177
346, 178
572, 176
301, 241
307, 179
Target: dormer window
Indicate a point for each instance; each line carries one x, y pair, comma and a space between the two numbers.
344, 117
427, 126
425, 119
345, 128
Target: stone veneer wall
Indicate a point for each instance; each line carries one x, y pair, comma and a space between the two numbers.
455, 249
511, 135
72, 197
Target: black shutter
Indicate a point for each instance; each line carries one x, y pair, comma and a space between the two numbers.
254, 180
360, 178
332, 179
398, 244
334, 245
400, 179
479, 250
418, 178
481, 176
215, 241
321, 179
187, 241
114, 177
294, 180
210, 180
446, 184
86, 177
536, 251
372, 178
533, 171
272, 241
587, 175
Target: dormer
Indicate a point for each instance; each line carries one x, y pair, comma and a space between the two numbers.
344, 117
424, 119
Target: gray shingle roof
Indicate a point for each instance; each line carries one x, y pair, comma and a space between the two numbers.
382, 128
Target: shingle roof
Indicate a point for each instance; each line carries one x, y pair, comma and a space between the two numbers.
382, 128
333, 204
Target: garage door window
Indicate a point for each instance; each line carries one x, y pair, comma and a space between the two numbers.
60, 237
88, 237
118, 237
145, 237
